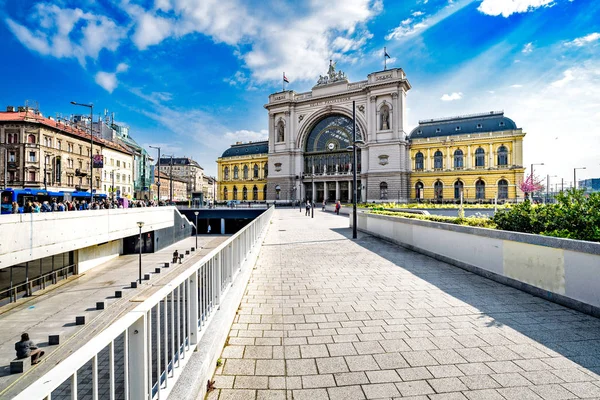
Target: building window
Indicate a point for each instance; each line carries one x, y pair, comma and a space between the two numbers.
419, 161
255, 170
69, 147
31, 176
480, 158
224, 193
438, 160
31, 139
11, 176
236, 173
438, 190
457, 128
32, 156
226, 173
244, 193
480, 190
81, 150
254, 193
383, 191
501, 123
419, 190
458, 159
458, 189
266, 171
438, 130
58, 144
12, 157
70, 162
235, 192
502, 156
12, 138
245, 172
479, 126
502, 189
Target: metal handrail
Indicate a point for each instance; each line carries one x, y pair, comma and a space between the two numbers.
13, 290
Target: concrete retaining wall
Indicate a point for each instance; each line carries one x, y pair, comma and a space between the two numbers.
561, 270
90, 257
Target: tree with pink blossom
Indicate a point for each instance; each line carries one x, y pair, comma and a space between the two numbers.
531, 184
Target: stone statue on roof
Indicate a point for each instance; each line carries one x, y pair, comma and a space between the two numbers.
332, 75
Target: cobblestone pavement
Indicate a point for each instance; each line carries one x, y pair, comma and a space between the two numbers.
326, 317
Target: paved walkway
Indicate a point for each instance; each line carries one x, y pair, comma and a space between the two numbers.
53, 311
326, 317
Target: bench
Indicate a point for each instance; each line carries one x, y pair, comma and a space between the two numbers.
20, 365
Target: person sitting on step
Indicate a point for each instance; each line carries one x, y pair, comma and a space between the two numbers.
26, 348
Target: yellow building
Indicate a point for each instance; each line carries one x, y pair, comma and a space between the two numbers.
243, 172
480, 156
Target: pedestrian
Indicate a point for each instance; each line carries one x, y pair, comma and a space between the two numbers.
337, 207
28, 209
307, 208
26, 348
323, 209
15, 207
208, 230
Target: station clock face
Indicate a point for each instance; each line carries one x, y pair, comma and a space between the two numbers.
331, 146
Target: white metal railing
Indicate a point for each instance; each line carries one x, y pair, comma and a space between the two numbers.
141, 355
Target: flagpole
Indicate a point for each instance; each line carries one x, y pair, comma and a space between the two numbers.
283, 83
384, 58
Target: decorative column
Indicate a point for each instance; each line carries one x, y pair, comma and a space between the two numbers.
395, 115
337, 190
314, 192
468, 163
449, 164
491, 156
428, 165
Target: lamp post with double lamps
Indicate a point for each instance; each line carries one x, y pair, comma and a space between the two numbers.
196, 214
91, 107
140, 224
575, 176
352, 148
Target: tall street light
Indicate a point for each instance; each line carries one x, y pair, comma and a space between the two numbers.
354, 165
140, 225
91, 107
532, 183
575, 176
196, 214
157, 183
548, 186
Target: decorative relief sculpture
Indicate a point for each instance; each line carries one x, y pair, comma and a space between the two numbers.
280, 131
332, 76
385, 117
361, 108
383, 159
300, 117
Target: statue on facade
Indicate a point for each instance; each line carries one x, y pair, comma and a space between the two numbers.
280, 132
385, 117
332, 75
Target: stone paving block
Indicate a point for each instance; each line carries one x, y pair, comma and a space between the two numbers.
510, 379
361, 363
277, 382
572, 375
237, 394
368, 347
475, 369
444, 371
380, 390
385, 376
313, 351
270, 367
341, 349
419, 358
317, 381
553, 392
520, 393
310, 394
350, 378
331, 365
447, 356
264, 352
484, 394
224, 381
233, 352
447, 385
413, 374
238, 367
346, 393
390, 361
504, 366
475, 382
585, 390
531, 365
293, 382
448, 396
271, 395
301, 367
541, 377
414, 388
291, 351
251, 382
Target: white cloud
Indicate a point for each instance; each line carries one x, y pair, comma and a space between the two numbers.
452, 97
239, 78
403, 30
108, 80
528, 48
584, 40
417, 13
567, 77
508, 7
406, 21
122, 67
516, 86
247, 136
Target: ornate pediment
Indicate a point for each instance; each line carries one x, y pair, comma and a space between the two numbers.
332, 76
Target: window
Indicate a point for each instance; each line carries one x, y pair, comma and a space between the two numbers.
438, 190
81, 150
32, 176
118, 163
458, 159
70, 163
58, 144
70, 147
383, 191
480, 189
226, 173
244, 193
224, 193
438, 160
266, 171
12, 157
12, 138
419, 161
245, 172
457, 128
255, 171
502, 189
437, 130
236, 173
419, 190
31, 139
32, 156
11, 176
47, 160
458, 189
480, 158
502, 156
254, 193
501, 123
479, 126
235, 193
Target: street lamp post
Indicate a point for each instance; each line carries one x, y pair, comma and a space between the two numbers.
140, 225
548, 176
354, 166
91, 107
532, 176
158, 182
196, 214
575, 176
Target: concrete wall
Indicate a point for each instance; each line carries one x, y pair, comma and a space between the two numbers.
562, 270
25, 237
181, 229
90, 257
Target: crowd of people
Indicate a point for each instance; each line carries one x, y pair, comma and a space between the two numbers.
77, 205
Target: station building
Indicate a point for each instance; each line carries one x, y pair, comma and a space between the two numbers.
243, 172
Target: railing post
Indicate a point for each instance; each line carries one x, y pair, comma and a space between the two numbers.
218, 280
137, 357
95, 377
74, 386
193, 308
111, 370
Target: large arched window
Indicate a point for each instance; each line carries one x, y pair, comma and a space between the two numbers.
502, 156
458, 159
502, 189
225, 194
479, 157
254, 193
383, 191
419, 190
458, 189
235, 193
244, 193
438, 190
226, 173
255, 170
245, 172
30, 138
419, 161
480, 190
236, 172
438, 160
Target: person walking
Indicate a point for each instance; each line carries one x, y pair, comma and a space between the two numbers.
307, 208
324, 203
15, 207
208, 230
26, 348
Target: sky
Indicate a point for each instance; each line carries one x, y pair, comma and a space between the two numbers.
192, 76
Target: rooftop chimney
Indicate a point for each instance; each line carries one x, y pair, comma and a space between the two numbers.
10, 109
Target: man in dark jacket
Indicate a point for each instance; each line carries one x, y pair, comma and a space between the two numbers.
26, 348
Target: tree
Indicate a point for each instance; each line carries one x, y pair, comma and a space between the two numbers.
531, 184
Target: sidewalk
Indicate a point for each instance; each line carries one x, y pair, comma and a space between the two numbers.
54, 311
328, 317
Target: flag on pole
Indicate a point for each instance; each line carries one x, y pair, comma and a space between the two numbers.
285, 79
386, 53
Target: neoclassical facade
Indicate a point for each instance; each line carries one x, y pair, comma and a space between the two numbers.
242, 172
309, 134
478, 156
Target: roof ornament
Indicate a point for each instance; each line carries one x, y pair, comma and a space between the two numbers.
332, 76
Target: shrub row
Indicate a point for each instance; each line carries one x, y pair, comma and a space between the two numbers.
469, 221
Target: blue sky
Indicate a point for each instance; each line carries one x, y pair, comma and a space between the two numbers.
193, 75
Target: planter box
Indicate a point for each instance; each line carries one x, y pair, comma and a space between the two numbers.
564, 271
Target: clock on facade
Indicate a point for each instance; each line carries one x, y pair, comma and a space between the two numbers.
331, 146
